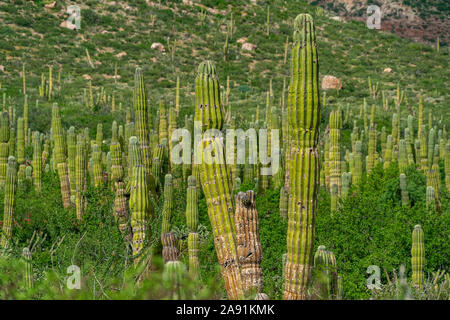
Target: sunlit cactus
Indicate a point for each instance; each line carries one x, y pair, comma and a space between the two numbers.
141, 114
418, 256
163, 128
387, 158
71, 154
80, 176
215, 179
28, 274
9, 202
304, 119
192, 224
59, 156
37, 162
404, 191
141, 208
247, 240
20, 141
335, 153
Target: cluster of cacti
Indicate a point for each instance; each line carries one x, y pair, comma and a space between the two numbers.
4, 146
304, 118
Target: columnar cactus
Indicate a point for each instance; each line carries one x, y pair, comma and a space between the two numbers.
20, 141
192, 224
141, 208
99, 136
430, 198
9, 202
284, 203
346, 183
214, 177
163, 131
170, 246
173, 274
372, 149
325, 275
60, 156
97, 165
431, 142
404, 192
423, 149
12, 141
71, 155
402, 156
388, 152
117, 178
168, 204
447, 166
28, 279
80, 176
335, 153
4, 145
37, 162
248, 244
418, 256
141, 114
357, 164
25, 120
304, 119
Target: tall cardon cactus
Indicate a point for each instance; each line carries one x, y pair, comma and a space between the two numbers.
9, 202
214, 177
192, 223
418, 256
304, 119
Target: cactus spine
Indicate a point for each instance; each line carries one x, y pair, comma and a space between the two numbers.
9, 202
214, 177
418, 256
304, 118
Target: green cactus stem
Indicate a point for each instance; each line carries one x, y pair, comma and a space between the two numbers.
418, 256
192, 224
28, 279
80, 176
404, 191
4, 146
304, 119
9, 202
215, 179
37, 162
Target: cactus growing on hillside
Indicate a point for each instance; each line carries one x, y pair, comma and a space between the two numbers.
37, 162
97, 165
141, 114
28, 279
80, 176
247, 240
141, 208
372, 149
192, 224
325, 273
335, 153
214, 177
168, 204
447, 166
9, 202
304, 119
4, 145
120, 201
404, 192
418, 256
59, 156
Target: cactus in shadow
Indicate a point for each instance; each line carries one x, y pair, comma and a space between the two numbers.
71, 155
120, 201
304, 119
387, 157
248, 244
418, 256
430, 198
404, 191
346, 183
192, 223
168, 204
214, 177
9, 202
170, 246
325, 274
284, 203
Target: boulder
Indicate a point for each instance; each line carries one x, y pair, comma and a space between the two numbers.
331, 82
